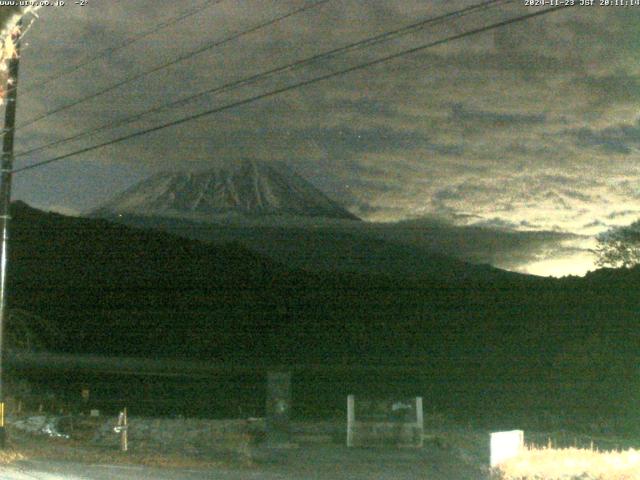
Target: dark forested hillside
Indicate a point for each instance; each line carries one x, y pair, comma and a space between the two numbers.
110, 289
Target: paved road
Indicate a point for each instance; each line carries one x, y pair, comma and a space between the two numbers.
74, 471
330, 463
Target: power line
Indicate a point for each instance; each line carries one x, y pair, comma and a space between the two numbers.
296, 85
268, 73
126, 43
181, 58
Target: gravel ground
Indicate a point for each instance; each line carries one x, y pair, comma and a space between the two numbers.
312, 463
449, 453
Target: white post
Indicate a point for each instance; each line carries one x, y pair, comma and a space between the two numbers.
419, 420
351, 419
124, 440
123, 425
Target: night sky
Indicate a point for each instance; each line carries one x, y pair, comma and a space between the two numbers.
532, 128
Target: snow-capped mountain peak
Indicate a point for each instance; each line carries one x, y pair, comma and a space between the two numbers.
248, 188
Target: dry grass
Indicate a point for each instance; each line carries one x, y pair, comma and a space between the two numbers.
10, 456
571, 463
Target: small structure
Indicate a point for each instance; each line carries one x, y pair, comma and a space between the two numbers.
505, 445
397, 422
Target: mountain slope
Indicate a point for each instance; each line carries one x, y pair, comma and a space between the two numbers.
247, 188
342, 246
117, 290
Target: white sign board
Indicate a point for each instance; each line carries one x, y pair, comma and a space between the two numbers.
506, 445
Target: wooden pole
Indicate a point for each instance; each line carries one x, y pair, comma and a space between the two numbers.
6, 174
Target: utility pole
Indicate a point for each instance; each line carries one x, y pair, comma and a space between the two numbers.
6, 173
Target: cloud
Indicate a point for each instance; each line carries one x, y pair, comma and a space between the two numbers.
529, 127
493, 241
617, 87
623, 213
623, 139
61, 209
460, 113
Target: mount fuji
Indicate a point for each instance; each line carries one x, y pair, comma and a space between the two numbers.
245, 189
